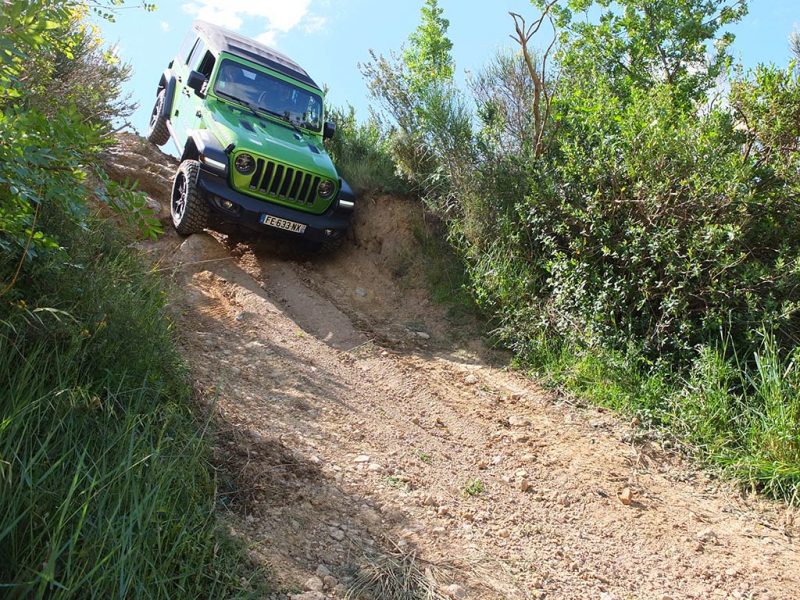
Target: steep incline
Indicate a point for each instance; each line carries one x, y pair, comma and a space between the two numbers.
363, 437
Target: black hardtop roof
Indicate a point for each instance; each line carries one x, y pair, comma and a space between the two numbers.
223, 40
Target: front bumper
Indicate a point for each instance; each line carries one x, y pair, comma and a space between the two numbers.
247, 211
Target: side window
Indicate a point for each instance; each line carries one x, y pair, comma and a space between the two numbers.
194, 58
186, 46
206, 65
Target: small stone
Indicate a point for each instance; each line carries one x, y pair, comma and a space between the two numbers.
361, 458
361, 292
482, 465
442, 511
626, 497
329, 582
497, 459
313, 584
518, 421
455, 591
524, 485
521, 438
336, 533
375, 467
429, 501
471, 379
322, 571
423, 336
707, 536
308, 596
520, 473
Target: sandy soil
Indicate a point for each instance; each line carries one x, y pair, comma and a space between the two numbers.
360, 426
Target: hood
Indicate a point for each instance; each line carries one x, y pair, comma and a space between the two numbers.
263, 136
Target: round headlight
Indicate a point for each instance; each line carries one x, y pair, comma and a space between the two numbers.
245, 164
326, 188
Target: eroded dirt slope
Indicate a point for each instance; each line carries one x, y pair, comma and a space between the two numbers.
360, 425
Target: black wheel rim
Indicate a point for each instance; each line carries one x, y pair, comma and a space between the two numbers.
156, 111
180, 193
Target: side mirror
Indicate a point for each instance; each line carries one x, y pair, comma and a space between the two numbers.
196, 81
329, 130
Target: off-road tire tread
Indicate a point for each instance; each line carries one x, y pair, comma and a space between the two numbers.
195, 216
160, 133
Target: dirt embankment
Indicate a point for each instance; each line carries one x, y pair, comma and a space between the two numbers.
366, 440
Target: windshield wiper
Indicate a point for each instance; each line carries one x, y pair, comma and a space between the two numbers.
245, 103
256, 110
283, 118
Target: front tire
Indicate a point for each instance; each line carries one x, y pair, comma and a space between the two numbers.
157, 131
187, 206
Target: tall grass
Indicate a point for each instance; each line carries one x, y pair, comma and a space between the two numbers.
745, 414
106, 489
738, 414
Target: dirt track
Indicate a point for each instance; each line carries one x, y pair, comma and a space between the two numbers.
356, 417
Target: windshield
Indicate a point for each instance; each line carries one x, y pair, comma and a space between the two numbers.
265, 92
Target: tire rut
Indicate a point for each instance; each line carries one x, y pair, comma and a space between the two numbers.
337, 449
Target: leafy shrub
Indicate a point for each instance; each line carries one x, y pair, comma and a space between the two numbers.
649, 224
361, 154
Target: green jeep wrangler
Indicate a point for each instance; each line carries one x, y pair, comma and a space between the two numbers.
248, 124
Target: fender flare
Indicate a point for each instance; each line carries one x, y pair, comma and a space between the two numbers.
203, 145
168, 83
346, 199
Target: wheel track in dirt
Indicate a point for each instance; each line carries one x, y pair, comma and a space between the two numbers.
324, 394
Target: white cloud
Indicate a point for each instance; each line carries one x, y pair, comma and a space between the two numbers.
277, 16
164, 26
314, 23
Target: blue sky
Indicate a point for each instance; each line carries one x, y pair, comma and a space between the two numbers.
330, 37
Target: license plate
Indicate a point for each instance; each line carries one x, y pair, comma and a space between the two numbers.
283, 224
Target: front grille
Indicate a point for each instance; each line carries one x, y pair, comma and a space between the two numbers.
282, 181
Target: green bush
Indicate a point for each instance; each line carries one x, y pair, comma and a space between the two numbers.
649, 224
361, 154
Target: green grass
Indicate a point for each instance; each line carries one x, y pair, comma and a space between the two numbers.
739, 415
445, 273
106, 489
474, 488
424, 457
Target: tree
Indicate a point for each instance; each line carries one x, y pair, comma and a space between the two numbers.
428, 57
640, 43
428, 124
